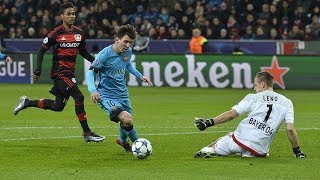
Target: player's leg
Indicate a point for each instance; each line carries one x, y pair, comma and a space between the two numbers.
120, 111
223, 146
55, 105
78, 97
127, 121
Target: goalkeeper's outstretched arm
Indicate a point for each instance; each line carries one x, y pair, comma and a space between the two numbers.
293, 138
225, 117
202, 124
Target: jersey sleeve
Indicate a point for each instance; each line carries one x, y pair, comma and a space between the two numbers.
48, 41
244, 105
289, 117
133, 71
99, 60
2, 56
83, 44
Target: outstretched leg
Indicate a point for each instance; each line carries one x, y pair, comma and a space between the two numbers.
78, 97
55, 105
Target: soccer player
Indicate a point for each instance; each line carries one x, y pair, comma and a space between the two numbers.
111, 93
5, 57
255, 133
67, 40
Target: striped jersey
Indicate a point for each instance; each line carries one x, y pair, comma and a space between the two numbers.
66, 46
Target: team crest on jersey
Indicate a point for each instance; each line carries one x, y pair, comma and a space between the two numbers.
126, 58
73, 80
77, 37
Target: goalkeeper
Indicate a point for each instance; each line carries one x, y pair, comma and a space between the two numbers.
255, 133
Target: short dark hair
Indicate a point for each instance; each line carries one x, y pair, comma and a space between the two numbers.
65, 6
266, 77
127, 30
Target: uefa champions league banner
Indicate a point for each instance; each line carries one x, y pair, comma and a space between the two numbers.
19, 71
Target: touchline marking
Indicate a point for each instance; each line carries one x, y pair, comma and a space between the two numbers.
148, 134
184, 127
112, 135
54, 127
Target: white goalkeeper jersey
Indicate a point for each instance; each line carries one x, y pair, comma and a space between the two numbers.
266, 110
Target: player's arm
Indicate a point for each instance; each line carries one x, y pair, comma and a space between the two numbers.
203, 124
293, 138
95, 96
137, 74
95, 67
5, 57
85, 54
37, 72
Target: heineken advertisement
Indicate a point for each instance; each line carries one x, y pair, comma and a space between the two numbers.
218, 71
227, 71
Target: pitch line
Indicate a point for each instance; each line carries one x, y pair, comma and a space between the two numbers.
112, 135
142, 127
148, 134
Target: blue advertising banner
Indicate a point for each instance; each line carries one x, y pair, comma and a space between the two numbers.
160, 46
19, 71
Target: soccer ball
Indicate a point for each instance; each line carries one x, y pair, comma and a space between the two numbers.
141, 148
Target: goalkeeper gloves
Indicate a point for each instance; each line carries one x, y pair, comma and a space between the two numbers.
202, 124
298, 153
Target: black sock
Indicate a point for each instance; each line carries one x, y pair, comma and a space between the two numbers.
85, 126
32, 103
127, 128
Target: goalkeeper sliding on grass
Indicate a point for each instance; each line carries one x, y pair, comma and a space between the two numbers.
255, 133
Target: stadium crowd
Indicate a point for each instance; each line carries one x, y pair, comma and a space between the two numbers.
168, 19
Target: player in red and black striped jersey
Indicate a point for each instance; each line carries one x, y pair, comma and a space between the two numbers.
67, 41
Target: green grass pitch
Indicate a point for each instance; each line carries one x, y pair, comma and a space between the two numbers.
39, 144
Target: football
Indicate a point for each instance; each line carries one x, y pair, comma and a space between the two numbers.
141, 148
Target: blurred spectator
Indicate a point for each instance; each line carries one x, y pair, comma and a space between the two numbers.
234, 35
296, 33
164, 15
315, 28
182, 34
260, 34
210, 16
31, 33
216, 27
145, 27
224, 13
185, 25
285, 27
177, 12
173, 34
162, 33
152, 33
223, 34
274, 35
249, 35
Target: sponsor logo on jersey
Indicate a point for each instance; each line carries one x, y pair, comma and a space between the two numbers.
63, 38
69, 44
77, 37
